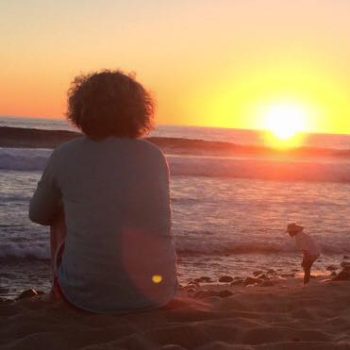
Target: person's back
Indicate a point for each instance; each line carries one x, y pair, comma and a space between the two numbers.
118, 252
306, 243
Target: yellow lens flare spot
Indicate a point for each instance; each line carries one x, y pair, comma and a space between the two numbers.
156, 279
285, 124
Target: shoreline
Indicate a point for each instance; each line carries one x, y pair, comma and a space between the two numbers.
284, 316
21, 274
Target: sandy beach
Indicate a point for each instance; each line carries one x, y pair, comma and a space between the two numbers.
223, 316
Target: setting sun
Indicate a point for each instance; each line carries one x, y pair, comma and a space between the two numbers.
285, 124
285, 120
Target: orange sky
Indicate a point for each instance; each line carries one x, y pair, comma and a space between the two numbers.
213, 63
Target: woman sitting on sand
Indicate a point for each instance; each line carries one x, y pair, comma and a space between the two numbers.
109, 191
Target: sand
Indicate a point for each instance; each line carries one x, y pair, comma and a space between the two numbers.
221, 316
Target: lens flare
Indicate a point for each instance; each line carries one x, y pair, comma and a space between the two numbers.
157, 279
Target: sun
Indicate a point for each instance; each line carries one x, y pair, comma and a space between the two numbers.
285, 124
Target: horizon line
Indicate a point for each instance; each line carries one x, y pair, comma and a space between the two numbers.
59, 119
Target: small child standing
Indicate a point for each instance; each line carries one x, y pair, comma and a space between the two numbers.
307, 245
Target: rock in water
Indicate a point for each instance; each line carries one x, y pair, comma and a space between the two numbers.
258, 272
345, 265
237, 281
343, 275
331, 268
262, 277
203, 279
267, 284
251, 281
225, 279
29, 293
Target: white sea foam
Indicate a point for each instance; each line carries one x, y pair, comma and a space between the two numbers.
259, 247
23, 159
29, 250
40, 250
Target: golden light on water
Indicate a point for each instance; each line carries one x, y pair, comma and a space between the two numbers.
285, 125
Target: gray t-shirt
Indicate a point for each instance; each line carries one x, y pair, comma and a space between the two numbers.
119, 254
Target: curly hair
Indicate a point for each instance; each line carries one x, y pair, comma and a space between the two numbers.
110, 103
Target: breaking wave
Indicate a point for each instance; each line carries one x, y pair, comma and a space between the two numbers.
40, 250
330, 170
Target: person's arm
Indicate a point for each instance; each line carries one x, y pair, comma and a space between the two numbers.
58, 232
46, 204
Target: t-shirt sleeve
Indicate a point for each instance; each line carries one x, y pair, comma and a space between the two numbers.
305, 243
46, 202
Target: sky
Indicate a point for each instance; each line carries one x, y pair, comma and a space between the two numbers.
223, 63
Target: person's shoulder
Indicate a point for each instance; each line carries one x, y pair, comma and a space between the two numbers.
62, 151
151, 148
70, 145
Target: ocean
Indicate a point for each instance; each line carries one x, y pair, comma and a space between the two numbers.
229, 211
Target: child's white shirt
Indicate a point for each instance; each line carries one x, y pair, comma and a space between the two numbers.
306, 243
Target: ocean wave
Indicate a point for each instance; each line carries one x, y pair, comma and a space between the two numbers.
15, 137
221, 167
14, 250
36, 251
268, 169
23, 159
226, 249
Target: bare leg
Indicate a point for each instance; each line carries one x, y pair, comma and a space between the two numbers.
306, 264
307, 274
58, 232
